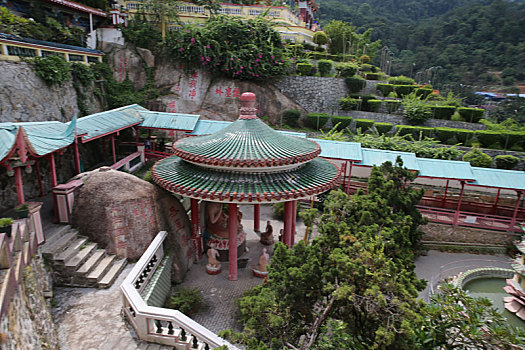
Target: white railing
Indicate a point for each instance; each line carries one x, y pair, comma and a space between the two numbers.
159, 325
127, 163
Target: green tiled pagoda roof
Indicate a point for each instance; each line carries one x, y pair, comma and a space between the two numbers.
247, 142
181, 177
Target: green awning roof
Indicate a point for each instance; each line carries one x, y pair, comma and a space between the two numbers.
445, 169
7, 141
373, 157
208, 127
179, 176
340, 149
107, 122
41, 137
498, 178
171, 121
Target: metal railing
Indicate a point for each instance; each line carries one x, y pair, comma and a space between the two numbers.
160, 325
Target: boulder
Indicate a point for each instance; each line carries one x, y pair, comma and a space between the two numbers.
123, 213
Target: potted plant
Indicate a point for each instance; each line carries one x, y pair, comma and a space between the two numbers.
22, 211
5, 226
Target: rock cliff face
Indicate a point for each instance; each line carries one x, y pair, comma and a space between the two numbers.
28, 324
24, 97
124, 213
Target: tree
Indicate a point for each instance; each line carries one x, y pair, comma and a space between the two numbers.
320, 38
454, 320
357, 277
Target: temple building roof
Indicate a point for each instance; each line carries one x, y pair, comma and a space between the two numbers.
248, 142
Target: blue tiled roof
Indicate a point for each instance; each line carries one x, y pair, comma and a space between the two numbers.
445, 169
172, 121
373, 157
499, 178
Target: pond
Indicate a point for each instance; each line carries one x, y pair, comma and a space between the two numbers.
492, 288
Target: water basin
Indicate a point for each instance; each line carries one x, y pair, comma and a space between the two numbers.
492, 288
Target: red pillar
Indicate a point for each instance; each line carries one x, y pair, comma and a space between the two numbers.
515, 214
113, 148
53, 170
257, 218
343, 171
77, 156
19, 185
294, 221
349, 183
444, 200
495, 205
288, 218
195, 228
233, 225
456, 216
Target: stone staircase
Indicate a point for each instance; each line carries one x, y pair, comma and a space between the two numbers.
77, 262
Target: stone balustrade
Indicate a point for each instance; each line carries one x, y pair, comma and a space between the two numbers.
17, 251
160, 325
484, 272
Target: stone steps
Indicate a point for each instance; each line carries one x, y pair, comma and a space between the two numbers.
77, 262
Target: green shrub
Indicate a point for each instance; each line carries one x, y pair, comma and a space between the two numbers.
471, 115
52, 69
385, 89
342, 122
392, 105
346, 70
443, 112
363, 124
325, 67
364, 59
488, 139
4, 222
465, 136
417, 132
355, 83
456, 117
348, 103
416, 111
363, 101
445, 135
291, 117
373, 76
186, 300
320, 38
374, 105
401, 80
423, 93
510, 139
366, 68
383, 128
82, 73
477, 158
317, 120
148, 177
304, 68
506, 162
403, 90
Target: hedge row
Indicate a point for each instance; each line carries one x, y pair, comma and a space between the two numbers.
400, 90
486, 138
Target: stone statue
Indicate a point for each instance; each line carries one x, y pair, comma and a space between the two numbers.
281, 235
214, 266
216, 220
267, 236
260, 269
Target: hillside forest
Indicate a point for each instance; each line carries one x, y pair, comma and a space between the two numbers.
475, 42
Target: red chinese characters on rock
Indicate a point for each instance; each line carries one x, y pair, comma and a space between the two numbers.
171, 107
122, 68
228, 92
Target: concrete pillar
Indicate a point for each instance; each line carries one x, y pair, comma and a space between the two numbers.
288, 218
257, 218
195, 228
19, 185
233, 225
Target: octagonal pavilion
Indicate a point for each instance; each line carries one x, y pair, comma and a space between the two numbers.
246, 162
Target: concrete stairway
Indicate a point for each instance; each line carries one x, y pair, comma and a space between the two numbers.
77, 262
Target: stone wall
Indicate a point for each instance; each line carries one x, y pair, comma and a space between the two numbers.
28, 324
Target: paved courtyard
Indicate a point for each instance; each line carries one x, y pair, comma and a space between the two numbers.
89, 318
